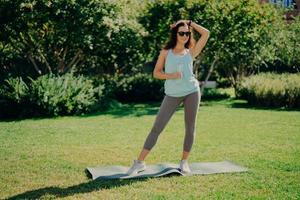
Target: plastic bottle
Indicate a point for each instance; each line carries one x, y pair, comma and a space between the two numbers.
179, 69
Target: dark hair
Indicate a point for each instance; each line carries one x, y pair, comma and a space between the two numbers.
173, 38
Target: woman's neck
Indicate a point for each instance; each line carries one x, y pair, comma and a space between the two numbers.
179, 47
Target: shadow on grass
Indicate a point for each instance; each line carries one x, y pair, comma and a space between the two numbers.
152, 108
16, 119
247, 106
129, 109
122, 110
132, 109
86, 187
238, 103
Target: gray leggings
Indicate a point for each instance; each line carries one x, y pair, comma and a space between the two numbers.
168, 106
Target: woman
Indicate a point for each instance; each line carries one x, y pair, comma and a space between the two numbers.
180, 86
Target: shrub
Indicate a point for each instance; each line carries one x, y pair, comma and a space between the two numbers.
138, 88
15, 90
14, 98
213, 94
269, 89
50, 95
67, 94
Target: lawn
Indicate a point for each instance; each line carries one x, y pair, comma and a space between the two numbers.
46, 158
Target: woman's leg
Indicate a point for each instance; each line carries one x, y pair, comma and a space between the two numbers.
166, 110
191, 105
143, 154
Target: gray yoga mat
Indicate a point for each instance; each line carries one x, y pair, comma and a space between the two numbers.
163, 169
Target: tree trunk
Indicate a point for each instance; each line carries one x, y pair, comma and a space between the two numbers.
61, 60
196, 64
34, 64
211, 68
74, 61
45, 61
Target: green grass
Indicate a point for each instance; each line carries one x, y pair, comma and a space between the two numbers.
46, 158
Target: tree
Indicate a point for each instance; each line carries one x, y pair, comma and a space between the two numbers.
240, 31
57, 35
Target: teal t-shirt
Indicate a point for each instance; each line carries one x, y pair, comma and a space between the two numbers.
188, 83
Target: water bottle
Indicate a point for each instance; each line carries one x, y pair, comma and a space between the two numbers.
179, 69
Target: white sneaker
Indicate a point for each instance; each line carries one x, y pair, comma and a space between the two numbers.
137, 167
184, 166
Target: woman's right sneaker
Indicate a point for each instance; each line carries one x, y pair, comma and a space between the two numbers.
137, 167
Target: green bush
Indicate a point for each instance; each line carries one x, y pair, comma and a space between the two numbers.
138, 88
50, 95
60, 95
213, 94
14, 98
272, 90
108, 81
15, 90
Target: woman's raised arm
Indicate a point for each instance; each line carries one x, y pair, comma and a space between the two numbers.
196, 50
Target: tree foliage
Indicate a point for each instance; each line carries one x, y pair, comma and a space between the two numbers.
56, 35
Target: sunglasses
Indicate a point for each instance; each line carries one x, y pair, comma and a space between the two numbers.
181, 33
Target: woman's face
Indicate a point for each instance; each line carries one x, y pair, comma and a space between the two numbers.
183, 38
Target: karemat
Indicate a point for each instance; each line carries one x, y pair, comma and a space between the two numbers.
164, 169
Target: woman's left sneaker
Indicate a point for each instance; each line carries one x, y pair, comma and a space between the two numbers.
137, 166
184, 166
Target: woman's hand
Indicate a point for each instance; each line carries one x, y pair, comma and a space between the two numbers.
179, 21
177, 75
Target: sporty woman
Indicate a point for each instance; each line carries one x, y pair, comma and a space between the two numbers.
181, 86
